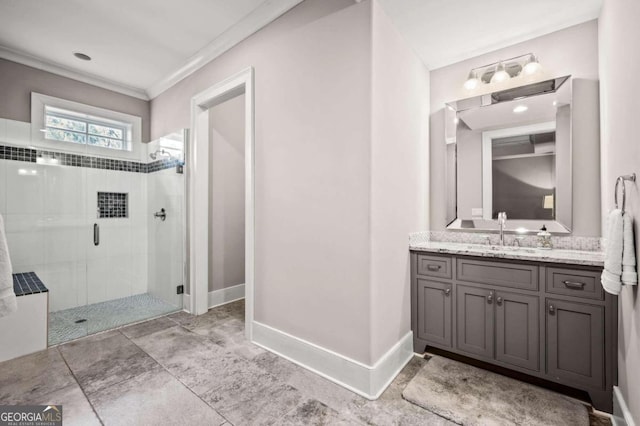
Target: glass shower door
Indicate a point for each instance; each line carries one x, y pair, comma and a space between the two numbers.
136, 266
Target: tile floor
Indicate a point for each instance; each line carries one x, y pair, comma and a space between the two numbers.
186, 370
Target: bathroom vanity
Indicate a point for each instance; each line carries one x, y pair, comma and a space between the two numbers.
541, 313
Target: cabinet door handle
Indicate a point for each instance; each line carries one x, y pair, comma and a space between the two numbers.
552, 309
499, 300
433, 267
573, 284
96, 234
447, 291
490, 297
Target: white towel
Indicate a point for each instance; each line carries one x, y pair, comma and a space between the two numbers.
629, 274
7, 296
611, 276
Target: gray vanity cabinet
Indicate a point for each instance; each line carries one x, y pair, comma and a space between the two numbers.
575, 342
518, 330
498, 324
474, 319
434, 321
546, 320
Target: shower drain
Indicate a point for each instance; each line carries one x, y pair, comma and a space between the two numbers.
81, 321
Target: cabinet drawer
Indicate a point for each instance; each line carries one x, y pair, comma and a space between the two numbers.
504, 274
574, 282
434, 266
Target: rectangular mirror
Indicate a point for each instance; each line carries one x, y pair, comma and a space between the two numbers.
510, 151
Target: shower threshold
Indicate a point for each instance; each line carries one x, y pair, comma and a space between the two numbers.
68, 324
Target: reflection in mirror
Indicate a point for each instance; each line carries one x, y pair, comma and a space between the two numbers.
520, 173
512, 153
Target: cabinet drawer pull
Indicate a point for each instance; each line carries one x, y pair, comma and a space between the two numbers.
490, 297
573, 284
552, 310
433, 267
447, 291
499, 300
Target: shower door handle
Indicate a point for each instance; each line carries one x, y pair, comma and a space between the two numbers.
96, 234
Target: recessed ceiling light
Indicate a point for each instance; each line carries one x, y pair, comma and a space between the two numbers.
520, 108
82, 56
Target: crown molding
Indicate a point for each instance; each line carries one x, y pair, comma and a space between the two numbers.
263, 15
54, 68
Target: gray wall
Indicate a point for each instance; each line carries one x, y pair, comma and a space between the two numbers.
570, 51
340, 166
18, 81
227, 191
621, 155
312, 91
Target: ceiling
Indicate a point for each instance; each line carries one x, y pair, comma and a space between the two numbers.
136, 46
443, 32
142, 47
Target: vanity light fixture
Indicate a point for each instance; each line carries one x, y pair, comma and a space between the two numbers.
498, 72
532, 66
520, 108
472, 81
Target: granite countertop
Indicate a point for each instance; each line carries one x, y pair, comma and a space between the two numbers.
574, 257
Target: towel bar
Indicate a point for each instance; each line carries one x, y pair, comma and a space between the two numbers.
631, 177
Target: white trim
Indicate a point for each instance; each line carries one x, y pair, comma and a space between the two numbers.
487, 172
225, 295
54, 68
621, 414
198, 174
260, 17
368, 381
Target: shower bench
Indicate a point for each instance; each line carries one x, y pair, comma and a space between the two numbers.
25, 330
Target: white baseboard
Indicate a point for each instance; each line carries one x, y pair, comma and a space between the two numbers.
217, 297
225, 295
365, 380
621, 413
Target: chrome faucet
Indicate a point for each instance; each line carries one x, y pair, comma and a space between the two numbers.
502, 221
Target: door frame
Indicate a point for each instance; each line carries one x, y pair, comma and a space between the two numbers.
198, 174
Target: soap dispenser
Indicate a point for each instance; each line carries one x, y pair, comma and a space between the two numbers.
544, 239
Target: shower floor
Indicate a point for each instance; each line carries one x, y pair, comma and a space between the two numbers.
64, 325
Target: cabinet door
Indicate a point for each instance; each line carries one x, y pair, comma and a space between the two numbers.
474, 319
434, 312
518, 330
575, 342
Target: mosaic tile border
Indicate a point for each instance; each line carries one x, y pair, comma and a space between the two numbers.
27, 283
563, 243
30, 155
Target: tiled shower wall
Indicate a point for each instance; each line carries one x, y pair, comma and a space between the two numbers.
49, 214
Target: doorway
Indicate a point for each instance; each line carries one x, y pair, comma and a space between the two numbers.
233, 89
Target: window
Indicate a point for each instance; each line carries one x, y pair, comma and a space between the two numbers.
69, 126
62, 125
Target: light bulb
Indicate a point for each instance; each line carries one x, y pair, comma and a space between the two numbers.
472, 81
500, 75
532, 66
520, 108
